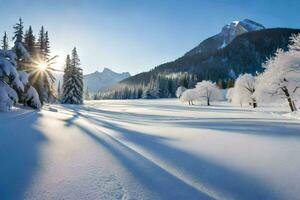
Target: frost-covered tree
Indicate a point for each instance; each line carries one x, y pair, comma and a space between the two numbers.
5, 45
281, 77
244, 89
179, 91
14, 85
208, 91
230, 95
73, 80
190, 96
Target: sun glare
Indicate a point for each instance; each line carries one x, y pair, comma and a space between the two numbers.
42, 66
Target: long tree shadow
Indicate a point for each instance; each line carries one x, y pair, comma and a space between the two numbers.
255, 126
272, 128
19, 155
224, 180
151, 176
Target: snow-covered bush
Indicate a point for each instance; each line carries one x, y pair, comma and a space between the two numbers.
189, 96
208, 92
32, 98
244, 89
179, 91
281, 78
10, 78
8, 97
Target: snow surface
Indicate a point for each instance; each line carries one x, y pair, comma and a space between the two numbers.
149, 149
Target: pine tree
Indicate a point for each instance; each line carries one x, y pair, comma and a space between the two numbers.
41, 44
18, 33
5, 45
29, 42
46, 46
73, 80
18, 43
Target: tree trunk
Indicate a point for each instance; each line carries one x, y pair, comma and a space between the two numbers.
208, 102
254, 103
288, 97
295, 106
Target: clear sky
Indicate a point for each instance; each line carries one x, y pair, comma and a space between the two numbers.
137, 35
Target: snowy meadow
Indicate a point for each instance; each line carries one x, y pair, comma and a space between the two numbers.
220, 122
150, 149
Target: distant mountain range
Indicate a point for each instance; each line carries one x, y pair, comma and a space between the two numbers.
240, 47
98, 81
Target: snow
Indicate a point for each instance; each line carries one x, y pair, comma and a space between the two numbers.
33, 97
7, 97
149, 149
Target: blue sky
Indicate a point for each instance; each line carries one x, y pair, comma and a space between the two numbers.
137, 35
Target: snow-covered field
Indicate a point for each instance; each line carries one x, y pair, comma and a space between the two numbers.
149, 149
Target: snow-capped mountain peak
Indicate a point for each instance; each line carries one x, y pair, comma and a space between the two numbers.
100, 80
227, 34
235, 28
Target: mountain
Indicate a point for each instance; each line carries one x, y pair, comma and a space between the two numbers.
244, 54
228, 33
241, 47
100, 80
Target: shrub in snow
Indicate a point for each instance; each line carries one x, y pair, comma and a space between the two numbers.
281, 78
244, 89
208, 92
32, 98
179, 91
7, 97
10, 78
189, 96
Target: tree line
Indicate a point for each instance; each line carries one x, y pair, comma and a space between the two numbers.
27, 72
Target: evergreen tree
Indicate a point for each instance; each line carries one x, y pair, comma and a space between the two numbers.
41, 44
73, 80
29, 42
46, 46
5, 45
18, 33
18, 41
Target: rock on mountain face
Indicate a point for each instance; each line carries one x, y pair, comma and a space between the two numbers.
100, 80
228, 33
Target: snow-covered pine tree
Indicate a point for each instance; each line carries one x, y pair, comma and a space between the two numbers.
18, 43
5, 45
14, 84
73, 80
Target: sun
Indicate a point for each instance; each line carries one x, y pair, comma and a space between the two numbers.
42, 66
